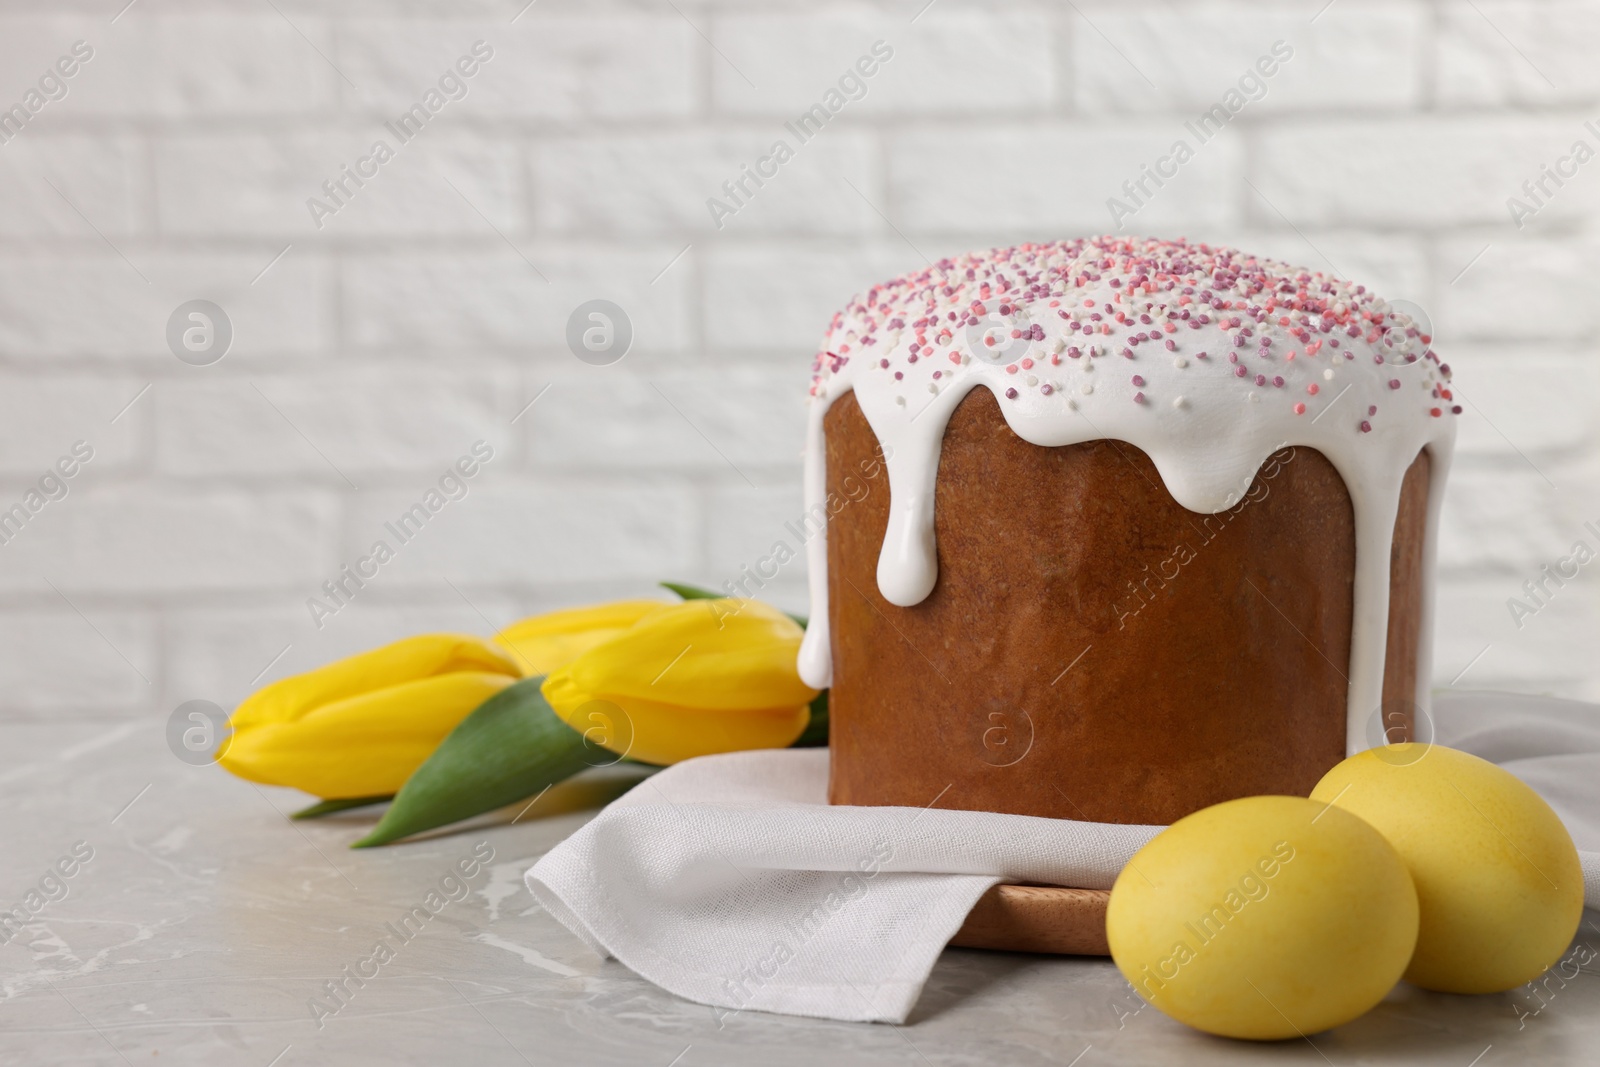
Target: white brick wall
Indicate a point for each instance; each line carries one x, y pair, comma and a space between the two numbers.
430, 310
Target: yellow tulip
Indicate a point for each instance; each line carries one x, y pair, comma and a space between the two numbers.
689, 680
358, 727
545, 643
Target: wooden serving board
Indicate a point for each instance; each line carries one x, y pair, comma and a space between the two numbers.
1038, 918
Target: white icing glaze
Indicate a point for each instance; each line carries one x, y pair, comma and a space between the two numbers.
1206, 428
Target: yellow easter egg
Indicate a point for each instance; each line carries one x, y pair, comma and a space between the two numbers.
1498, 883
1266, 917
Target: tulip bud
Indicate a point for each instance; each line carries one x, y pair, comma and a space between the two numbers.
690, 679
545, 643
358, 727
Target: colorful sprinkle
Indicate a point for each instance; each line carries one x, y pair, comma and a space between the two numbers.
1121, 293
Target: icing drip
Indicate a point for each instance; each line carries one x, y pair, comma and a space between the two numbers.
1205, 358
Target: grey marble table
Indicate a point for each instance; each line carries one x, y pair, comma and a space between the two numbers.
206, 925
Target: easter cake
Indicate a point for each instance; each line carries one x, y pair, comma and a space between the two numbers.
1177, 549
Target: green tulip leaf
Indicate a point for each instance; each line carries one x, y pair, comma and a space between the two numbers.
815, 734
691, 592
511, 746
328, 807
695, 592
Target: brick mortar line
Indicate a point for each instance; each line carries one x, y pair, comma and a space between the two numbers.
171, 130
600, 244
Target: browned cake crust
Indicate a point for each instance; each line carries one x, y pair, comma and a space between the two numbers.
1405, 608
1092, 649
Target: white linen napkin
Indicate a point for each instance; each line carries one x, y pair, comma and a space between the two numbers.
729, 880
